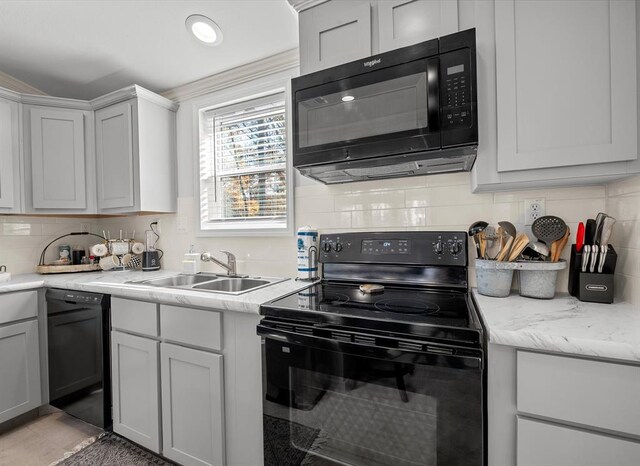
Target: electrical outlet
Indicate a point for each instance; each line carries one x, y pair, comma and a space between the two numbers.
533, 209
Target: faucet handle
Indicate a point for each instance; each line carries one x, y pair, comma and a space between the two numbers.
230, 256
205, 257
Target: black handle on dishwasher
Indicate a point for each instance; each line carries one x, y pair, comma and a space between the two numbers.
409, 356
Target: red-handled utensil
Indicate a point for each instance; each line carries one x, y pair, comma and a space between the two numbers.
580, 237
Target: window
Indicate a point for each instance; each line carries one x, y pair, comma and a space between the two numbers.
244, 166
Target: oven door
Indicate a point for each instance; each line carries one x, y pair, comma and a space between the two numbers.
388, 111
331, 402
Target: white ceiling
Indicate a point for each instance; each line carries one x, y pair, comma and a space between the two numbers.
84, 49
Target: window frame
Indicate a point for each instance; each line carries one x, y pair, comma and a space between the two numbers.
229, 98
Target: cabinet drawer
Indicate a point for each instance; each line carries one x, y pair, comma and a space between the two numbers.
134, 316
582, 391
191, 326
17, 306
541, 443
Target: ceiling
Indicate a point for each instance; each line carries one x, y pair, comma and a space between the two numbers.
84, 49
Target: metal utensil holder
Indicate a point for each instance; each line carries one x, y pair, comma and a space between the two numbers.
592, 287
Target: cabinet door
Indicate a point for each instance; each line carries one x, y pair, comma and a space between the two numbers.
192, 406
541, 443
58, 159
115, 156
135, 380
334, 33
406, 22
9, 156
566, 83
19, 369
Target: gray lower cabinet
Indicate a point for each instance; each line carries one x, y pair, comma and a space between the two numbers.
192, 406
20, 369
541, 443
561, 410
135, 382
20, 389
167, 395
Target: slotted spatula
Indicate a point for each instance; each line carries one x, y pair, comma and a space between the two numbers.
549, 229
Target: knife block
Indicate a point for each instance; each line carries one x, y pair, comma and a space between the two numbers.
592, 287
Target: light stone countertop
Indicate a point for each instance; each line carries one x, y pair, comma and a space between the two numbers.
113, 283
563, 324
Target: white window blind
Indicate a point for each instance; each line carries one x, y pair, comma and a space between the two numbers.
243, 165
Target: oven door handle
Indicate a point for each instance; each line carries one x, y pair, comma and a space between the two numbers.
422, 357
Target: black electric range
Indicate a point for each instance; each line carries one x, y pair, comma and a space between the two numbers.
388, 342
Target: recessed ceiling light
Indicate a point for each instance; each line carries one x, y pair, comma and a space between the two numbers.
347, 98
204, 29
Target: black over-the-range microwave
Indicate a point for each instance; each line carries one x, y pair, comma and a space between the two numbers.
410, 111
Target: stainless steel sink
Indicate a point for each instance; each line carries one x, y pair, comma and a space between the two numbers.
211, 283
232, 285
178, 280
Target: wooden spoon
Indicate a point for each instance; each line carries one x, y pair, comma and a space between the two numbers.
483, 244
519, 244
559, 245
505, 250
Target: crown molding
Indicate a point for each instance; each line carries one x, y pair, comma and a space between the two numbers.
301, 5
49, 101
131, 92
280, 62
13, 84
10, 95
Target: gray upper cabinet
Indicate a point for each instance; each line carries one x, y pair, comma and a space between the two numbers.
336, 32
58, 159
407, 22
558, 108
67, 156
114, 156
10, 155
135, 152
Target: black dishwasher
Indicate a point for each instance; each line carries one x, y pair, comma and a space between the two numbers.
79, 356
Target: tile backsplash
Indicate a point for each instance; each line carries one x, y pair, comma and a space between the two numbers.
418, 203
623, 203
22, 239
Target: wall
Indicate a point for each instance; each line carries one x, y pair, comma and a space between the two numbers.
418, 203
22, 239
623, 203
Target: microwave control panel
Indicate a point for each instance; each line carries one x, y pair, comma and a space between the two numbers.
455, 90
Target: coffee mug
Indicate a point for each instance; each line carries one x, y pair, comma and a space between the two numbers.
109, 262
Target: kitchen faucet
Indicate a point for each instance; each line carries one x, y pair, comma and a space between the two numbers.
230, 266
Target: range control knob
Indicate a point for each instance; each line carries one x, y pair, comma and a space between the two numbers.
455, 248
326, 247
438, 247
338, 247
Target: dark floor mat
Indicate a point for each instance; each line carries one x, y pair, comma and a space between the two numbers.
279, 434
113, 450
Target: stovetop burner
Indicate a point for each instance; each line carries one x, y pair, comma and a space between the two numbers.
407, 306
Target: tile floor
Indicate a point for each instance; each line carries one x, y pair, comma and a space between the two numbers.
44, 440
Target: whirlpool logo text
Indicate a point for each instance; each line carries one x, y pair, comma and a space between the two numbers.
370, 63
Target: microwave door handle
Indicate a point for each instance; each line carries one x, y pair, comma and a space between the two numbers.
433, 94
